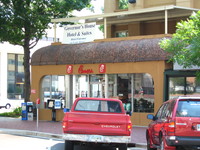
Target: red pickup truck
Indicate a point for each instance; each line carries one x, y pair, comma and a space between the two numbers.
97, 121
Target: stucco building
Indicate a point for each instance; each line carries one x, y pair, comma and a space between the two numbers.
128, 64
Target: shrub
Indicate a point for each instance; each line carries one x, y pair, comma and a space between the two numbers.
16, 113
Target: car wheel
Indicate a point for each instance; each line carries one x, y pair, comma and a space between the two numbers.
69, 145
163, 145
148, 144
122, 147
7, 106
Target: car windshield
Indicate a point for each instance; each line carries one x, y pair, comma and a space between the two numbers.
188, 108
98, 106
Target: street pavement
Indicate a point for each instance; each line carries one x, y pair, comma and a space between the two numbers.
50, 129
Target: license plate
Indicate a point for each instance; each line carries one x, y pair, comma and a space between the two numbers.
198, 127
96, 138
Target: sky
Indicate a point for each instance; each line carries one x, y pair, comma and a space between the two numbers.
98, 5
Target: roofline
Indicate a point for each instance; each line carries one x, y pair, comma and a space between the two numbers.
131, 12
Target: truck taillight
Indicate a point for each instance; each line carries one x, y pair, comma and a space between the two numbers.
64, 124
129, 127
171, 128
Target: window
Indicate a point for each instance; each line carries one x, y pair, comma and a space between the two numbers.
183, 86
53, 87
188, 108
123, 4
15, 76
97, 85
143, 93
121, 34
138, 88
98, 106
82, 86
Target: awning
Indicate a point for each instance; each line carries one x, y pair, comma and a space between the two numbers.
131, 49
145, 14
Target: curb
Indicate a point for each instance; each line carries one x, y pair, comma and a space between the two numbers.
31, 133
141, 145
50, 135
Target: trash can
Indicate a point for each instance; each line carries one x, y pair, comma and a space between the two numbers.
24, 111
30, 111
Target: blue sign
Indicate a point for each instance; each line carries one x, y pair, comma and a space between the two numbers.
57, 104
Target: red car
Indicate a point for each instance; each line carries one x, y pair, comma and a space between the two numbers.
176, 125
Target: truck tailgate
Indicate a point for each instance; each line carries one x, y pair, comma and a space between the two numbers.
96, 123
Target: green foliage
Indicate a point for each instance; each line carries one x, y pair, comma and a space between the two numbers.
184, 46
23, 22
28, 19
16, 113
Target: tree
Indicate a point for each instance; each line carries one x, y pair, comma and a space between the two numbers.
184, 46
23, 22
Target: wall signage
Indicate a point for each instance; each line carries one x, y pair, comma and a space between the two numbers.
33, 91
102, 68
80, 33
70, 69
83, 70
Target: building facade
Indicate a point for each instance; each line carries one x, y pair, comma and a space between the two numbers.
133, 68
12, 70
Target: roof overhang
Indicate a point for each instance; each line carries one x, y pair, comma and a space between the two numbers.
145, 14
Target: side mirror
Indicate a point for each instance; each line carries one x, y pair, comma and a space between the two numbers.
66, 110
129, 113
151, 117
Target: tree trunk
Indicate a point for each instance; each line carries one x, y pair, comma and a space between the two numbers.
27, 86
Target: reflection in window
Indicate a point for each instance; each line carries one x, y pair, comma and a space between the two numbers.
123, 4
138, 88
143, 93
97, 86
15, 76
82, 86
98, 106
53, 87
183, 86
121, 34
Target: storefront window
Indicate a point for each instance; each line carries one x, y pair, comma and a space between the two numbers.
53, 87
97, 86
183, 86
137, 89
143, 93
82, 86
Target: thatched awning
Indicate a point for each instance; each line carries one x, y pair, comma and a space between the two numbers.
135, 50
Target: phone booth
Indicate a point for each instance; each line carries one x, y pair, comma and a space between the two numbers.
30, 111
54, 105
24, 111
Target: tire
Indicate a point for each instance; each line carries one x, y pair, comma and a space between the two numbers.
148, 144
69, 145
122, 147
163, 145
7, 106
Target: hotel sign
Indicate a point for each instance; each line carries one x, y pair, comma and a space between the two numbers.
81, 33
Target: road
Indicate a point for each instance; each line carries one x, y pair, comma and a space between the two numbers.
13, 142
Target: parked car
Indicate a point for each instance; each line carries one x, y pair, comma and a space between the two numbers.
4, 104
176, 125
97, 121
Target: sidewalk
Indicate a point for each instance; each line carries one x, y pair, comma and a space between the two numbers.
52, 129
